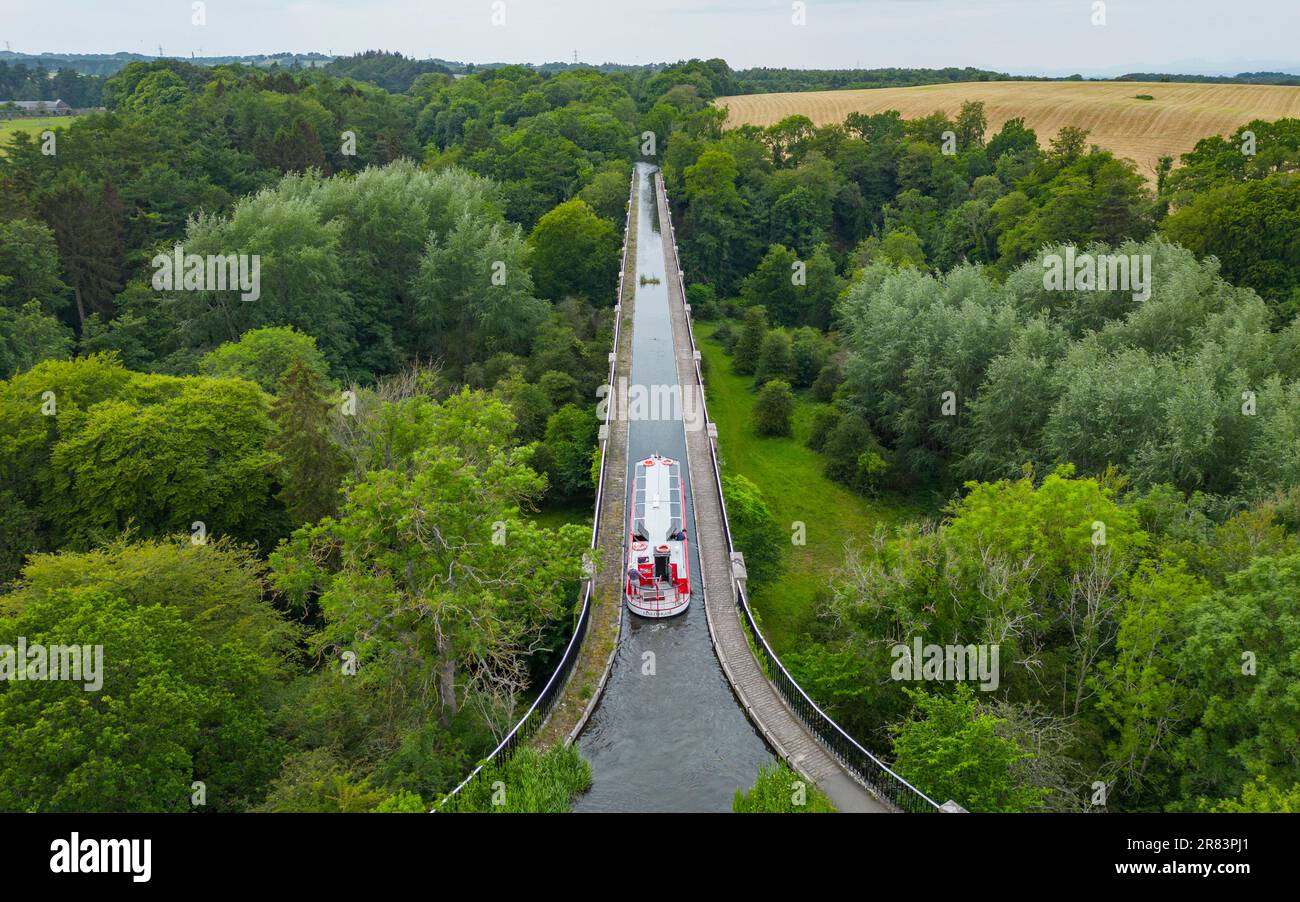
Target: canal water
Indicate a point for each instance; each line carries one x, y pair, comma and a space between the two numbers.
667, 734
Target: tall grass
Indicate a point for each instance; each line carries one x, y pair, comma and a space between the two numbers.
779, 790
530, 782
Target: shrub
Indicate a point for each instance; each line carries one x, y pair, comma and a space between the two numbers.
828, 380
779, 790
726, 336
703, 301
530, 782
808, 350
871, 471
774, 409
775, 358
824, 421
757, 534
317, 782
846, 449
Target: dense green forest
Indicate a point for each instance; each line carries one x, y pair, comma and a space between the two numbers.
285, 512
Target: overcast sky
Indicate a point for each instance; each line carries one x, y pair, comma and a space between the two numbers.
1020, 36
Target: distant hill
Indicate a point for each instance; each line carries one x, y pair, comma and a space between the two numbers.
109, 63
374, 66
1244, 78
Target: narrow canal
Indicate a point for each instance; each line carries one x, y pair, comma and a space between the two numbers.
667, 735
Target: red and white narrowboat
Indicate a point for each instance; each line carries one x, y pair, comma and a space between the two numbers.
658, 579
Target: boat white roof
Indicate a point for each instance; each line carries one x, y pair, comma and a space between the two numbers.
657, 499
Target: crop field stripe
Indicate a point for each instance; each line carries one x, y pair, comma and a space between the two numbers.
1141, 130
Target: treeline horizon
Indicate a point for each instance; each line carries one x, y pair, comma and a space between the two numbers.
395, 71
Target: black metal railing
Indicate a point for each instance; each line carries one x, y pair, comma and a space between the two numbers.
864, 765
848, 751
542, 706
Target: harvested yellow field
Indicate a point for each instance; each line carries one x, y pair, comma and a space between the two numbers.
1141, 130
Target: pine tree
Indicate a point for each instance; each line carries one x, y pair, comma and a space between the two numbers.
312, 466
297, 148
87, 223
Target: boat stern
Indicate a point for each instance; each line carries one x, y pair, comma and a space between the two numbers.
667, 602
